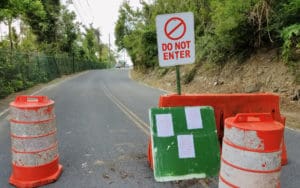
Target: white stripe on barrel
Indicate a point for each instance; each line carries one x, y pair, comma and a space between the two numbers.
33, 144
246, 179
32, 129
251, 160
251, 152
242, 138
35, 159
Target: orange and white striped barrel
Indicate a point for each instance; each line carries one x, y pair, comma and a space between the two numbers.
251, 152
35, 159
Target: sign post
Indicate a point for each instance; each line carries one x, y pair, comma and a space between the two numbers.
178, 80
176, 41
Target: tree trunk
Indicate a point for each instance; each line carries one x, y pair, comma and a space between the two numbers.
9, 22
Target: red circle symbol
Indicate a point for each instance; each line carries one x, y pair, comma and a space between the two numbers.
175, 28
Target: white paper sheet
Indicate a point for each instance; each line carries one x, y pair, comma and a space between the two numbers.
186, 147
164, 125
193, 118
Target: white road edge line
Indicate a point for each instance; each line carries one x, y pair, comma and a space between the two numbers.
47, 87
292, 129
4, 112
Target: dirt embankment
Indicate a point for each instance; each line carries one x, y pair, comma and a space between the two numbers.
263, 72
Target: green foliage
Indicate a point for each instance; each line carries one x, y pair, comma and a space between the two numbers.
291, 38
28, 43
223, 28
45, 27
120, 28
90, 43
16, 8
20, 71
149, 47
68, 31
229, 29
190, 76
287, 13
50, 44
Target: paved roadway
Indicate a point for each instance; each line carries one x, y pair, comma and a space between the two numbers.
102, 119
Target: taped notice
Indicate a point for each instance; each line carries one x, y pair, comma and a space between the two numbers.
186, 147
193, 118
164, 125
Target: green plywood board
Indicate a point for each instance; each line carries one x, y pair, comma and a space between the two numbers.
184, 143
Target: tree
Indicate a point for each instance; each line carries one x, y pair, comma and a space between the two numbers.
122, 26
223, 28
135, 29
46, 27
28, 43
90, 43
67, 31
13, 9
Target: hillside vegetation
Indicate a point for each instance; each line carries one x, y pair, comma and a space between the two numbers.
224, 29
262, 72
242, 46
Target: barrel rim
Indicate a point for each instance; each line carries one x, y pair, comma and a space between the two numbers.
259, 126
31, 106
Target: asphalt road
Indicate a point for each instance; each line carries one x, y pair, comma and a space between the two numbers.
102, 119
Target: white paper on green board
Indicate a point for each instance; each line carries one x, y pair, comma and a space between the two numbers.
186, 148
193, 118
164, 125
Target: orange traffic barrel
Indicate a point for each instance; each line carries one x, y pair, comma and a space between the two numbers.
251, 152
34, 146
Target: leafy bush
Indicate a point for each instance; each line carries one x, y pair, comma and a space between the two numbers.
189, 76
17, 85
291, 38
20, 71
223, 28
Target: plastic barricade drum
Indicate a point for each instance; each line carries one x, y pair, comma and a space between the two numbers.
35, 159
251, 152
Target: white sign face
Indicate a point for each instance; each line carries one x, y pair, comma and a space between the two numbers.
186, 148
164, 125
175, 39
193, 118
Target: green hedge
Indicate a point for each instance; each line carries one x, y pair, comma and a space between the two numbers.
19, 71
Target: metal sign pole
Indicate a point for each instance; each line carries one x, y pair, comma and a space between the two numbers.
178, 80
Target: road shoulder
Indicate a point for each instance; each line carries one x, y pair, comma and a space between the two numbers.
35, 90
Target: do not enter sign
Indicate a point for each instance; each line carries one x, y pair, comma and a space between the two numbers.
175, 31
175, 39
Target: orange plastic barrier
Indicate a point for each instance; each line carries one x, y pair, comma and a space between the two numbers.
35, 159
228, 105
251, 151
